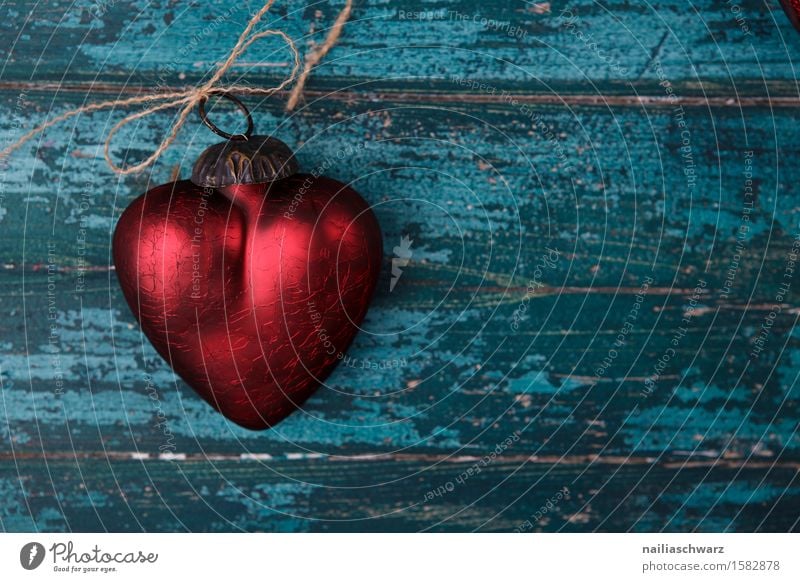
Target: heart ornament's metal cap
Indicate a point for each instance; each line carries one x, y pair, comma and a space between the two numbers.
256, 160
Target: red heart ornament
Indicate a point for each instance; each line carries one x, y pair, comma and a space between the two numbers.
250, 280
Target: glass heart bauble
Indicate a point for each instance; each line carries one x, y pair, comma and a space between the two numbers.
250, 280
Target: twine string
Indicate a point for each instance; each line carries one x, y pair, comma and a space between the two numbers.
316, 55
191, 96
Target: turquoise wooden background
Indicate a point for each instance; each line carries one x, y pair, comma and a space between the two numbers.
633, 164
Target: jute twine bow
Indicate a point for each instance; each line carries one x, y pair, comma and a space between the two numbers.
190, 97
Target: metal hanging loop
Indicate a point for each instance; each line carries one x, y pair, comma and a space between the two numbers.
201, 106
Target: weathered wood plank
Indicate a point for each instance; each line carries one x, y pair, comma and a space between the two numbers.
393, 495
530, 46
596, 179
457, 379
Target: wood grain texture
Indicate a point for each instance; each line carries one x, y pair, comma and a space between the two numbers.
625, 217
390, 495
551, 47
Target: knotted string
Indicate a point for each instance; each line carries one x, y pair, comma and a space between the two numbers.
190, 97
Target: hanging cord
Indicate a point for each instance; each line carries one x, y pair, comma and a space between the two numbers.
315, 56
192, 96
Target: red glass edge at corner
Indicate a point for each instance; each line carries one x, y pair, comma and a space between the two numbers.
792, 9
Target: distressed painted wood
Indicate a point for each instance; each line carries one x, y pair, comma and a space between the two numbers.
687, 422
524, 45
544, 173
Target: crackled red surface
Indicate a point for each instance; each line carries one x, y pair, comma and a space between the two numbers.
252, 293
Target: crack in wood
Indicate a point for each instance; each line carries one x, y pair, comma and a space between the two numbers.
354, 96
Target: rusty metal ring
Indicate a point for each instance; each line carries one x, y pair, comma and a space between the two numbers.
236, 101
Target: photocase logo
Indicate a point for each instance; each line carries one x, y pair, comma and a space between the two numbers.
402, 254
31, 555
